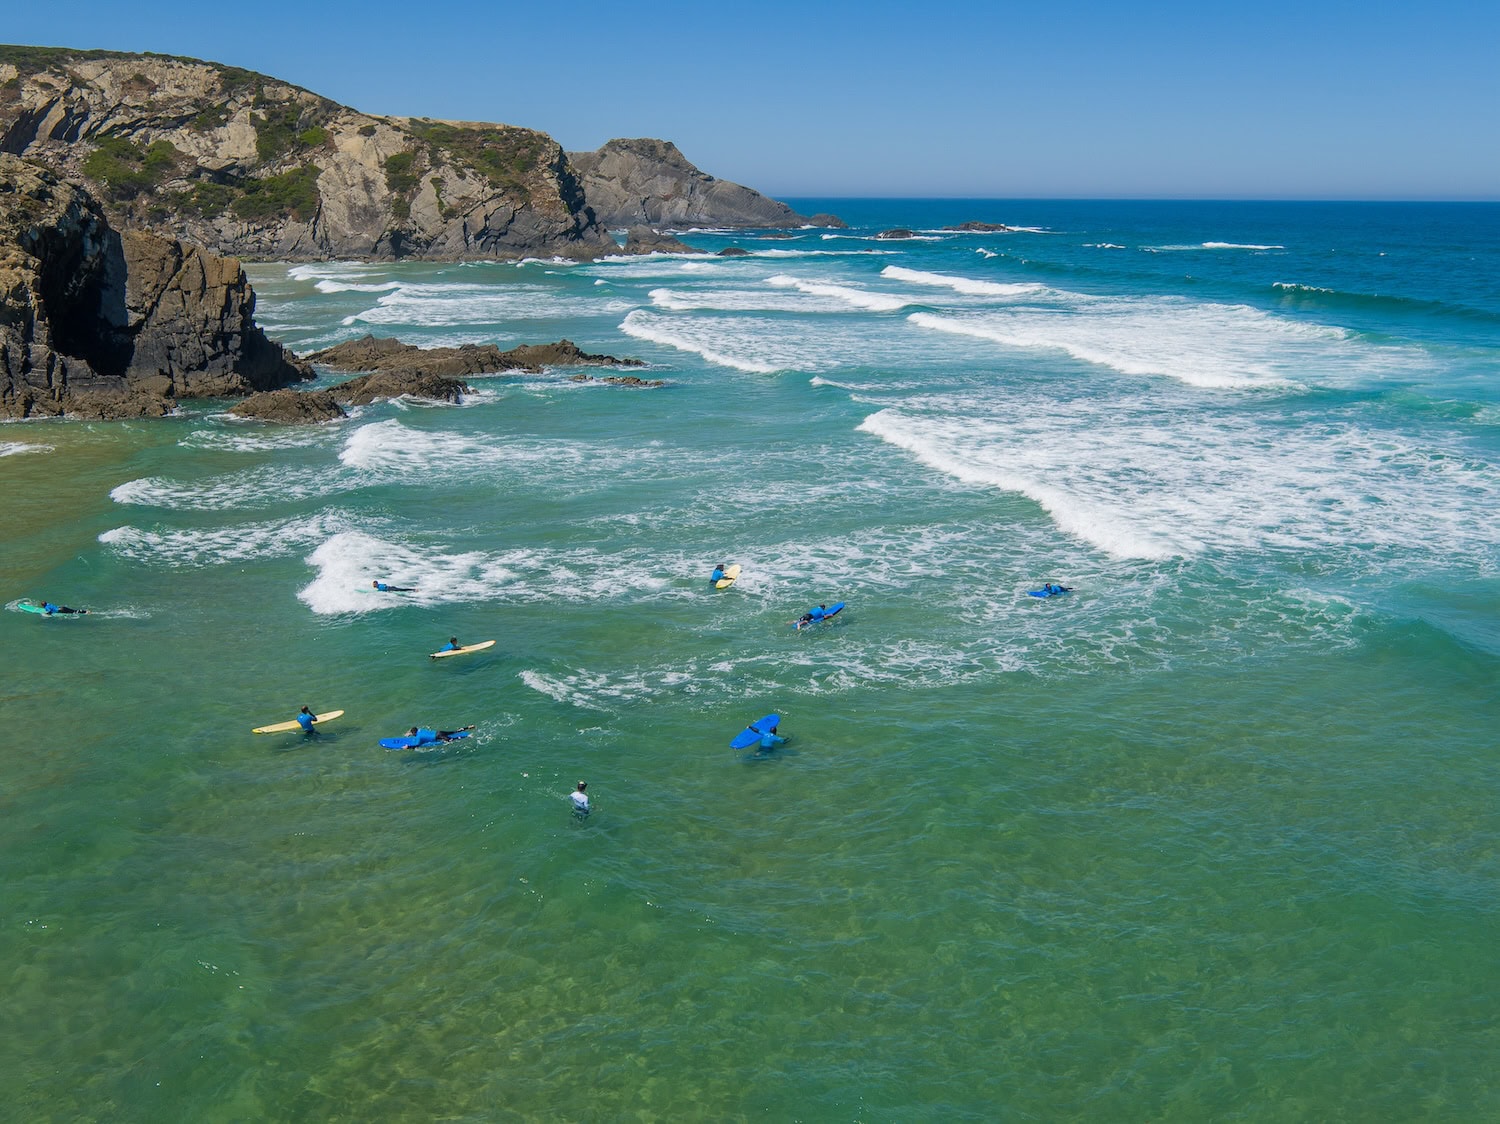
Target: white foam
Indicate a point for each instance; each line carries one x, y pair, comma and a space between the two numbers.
859, 298
1238, 246
329, 286
235, 543
19, 448
1146, 479
966, 285
1213, 346
349, 560
706, 339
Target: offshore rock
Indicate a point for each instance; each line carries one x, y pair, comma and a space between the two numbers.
291, 406
973, 227
896, 234
733, 252
397, 383
371, 353
96, 324
644, 240
644, 182
619, 380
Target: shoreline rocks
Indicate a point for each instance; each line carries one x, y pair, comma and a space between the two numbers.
385, 353
99, 324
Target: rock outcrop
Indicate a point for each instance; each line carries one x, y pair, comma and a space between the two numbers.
291, 407
975, 227
644, 240
387, 355
101, 324
258, 168
896, 234
645, 182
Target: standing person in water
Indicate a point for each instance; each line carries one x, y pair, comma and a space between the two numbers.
769, 740
305, 719
383, 588
580, 798
718, 573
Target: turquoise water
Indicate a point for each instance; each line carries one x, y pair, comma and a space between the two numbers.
1214, 837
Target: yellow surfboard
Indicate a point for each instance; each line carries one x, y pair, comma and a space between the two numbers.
481, 646
287, 727
728, 579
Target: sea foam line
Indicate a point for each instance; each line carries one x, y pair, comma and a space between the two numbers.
966, 285
643, 327
859, 298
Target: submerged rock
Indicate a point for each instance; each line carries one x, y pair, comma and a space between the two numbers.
619, 380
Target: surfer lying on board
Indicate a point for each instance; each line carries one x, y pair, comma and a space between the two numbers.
813, 615
718, 573
442, 735
452, 645
49, 608
1053, 587
383, 588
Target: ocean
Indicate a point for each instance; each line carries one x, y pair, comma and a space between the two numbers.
1212, 837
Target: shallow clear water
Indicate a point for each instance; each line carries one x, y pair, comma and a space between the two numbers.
1213, 837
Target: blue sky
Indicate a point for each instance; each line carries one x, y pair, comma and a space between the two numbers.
1320, 99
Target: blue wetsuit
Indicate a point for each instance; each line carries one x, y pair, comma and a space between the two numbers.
306, 722
716, 576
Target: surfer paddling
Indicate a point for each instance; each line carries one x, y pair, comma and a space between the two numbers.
382, 587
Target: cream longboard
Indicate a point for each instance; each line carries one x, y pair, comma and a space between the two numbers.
288, 727
481, 646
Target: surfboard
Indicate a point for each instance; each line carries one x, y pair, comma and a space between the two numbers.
728, 579
287, 727
753, 732
827, 615
481, 646
417, 743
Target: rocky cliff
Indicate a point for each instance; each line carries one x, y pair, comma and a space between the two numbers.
251, 166
646, 182
98, 323
255, 167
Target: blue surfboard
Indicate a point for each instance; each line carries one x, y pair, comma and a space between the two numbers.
417, 742
752, 733
824, 615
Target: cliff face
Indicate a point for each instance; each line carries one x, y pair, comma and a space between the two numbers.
251, 166
96, 323
649, 182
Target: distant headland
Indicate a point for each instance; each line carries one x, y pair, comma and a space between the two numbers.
250, 166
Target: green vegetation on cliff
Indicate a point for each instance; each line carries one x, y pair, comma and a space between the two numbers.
293, 193
503, 154
126, 168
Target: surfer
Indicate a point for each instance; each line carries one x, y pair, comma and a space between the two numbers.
440, 735
769, 739
718, 574
305, 719
580, 799
49, 608
452, 645
383, 588
1053, 587
813, 615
